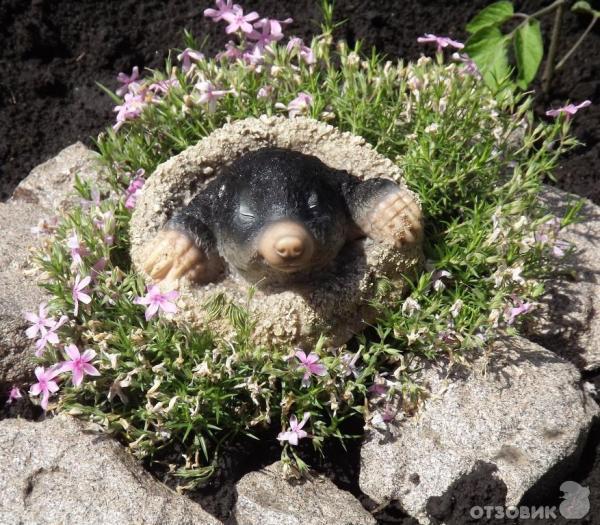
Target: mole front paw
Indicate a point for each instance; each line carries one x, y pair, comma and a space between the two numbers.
172, 255
395, 218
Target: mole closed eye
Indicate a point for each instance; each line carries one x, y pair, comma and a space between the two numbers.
313, 201
246, 213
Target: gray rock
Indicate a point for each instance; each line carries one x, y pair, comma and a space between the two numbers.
50, 185
54, 472
568, 321
265, 498
516, 420
47, 189
18, 290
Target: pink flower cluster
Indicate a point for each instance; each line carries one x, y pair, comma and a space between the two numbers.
134, 190
137, 95
256, 34
44, 328
79, 365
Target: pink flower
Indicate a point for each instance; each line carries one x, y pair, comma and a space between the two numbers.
105, 222
305, 52
126, 80
441, 41
519, 308
154, 300
45, 384
49, 337
78, 293
255, 56
270, 32
41, 321
470, 67
265, 92
299, 105
186, 57
348, 362
381, 419
311, 366
240, 22
78, 250
274, 26
223, 8
13, 395
209, 95
131, 108
378, 389
79, 364
163, 86
134, 190
295, 432
232, 52
569, 109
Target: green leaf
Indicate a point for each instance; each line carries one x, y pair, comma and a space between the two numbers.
493, 15
582, 7
529, 50
488, 48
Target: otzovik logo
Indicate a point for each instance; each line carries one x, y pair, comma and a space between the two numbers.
576, 502
575, 505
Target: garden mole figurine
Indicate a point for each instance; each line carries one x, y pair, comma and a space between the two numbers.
278, 217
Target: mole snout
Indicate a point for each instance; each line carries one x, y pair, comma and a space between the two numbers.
286, 245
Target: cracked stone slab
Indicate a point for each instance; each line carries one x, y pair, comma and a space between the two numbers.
517, 415
54, 472
568, 321
266, 498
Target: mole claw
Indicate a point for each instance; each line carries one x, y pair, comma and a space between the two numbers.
173, 255
395, 219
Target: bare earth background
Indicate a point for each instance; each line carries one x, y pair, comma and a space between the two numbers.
54, 52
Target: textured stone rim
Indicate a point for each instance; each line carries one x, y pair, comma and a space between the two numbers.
297, 319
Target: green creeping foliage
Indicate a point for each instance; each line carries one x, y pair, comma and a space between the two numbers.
178, 396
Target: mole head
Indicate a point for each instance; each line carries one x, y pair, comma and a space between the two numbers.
287, 215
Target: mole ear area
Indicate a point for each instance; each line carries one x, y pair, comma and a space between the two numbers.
385, 211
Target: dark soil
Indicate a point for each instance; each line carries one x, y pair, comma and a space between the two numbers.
55, 51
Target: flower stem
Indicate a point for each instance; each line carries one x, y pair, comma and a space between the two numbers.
554, 38
576, 44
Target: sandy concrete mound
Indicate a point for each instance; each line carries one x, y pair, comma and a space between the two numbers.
337, 306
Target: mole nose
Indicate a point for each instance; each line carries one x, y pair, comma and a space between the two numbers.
289, 247
286, 245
